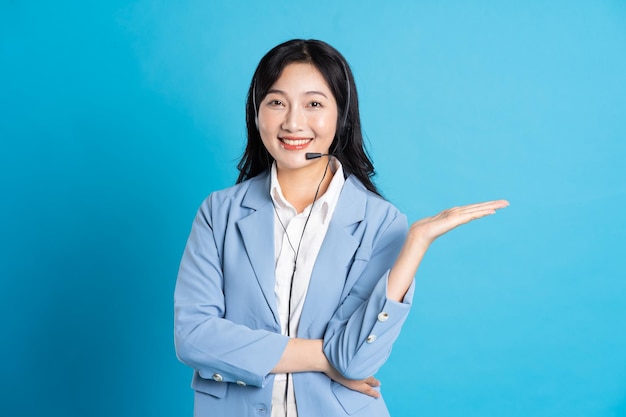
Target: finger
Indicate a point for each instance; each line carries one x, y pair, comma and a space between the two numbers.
479, 210
502, 203
372, 382
494, 204
454, 220
466, 217
455, 217
367, 390
491, 202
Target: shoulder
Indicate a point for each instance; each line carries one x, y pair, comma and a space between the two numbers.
374, 206
370, 218
247, 195
239, 191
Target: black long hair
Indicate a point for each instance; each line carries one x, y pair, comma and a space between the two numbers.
347, 146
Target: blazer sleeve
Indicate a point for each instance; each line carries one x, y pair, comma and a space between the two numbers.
360, 335
214, 346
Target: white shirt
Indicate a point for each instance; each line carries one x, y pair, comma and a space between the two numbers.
323, 209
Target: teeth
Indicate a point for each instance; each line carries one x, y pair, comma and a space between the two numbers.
295, 142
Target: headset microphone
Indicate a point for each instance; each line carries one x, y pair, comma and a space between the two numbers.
315, 155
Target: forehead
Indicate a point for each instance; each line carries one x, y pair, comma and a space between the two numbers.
301, 77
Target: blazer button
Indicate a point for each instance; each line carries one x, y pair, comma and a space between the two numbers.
218, 378
241, 383
371, 338
383, 316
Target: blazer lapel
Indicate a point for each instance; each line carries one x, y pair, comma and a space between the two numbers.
257, 234
329, 273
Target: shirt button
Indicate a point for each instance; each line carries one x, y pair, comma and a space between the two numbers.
371, 338
241, 383
260, 408
218, 378
383, 316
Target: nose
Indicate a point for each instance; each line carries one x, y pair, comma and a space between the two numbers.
294, 119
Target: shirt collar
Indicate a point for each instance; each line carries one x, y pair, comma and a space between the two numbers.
325, 203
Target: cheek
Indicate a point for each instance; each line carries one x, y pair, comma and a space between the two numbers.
266, 127
261, 123
325, 126
265, 132
266, 139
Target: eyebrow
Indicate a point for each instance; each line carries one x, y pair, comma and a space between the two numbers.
308, 93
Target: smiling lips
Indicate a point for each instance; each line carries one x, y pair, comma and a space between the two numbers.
294, 144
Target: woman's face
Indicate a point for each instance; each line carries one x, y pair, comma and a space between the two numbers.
298, 115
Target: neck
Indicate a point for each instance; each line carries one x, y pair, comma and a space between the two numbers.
299, 186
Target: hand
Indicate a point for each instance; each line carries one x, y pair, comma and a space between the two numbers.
364, 386
422, 233
430, 228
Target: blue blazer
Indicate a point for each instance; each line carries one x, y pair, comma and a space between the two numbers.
226, 318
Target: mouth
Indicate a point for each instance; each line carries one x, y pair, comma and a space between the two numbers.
295, 144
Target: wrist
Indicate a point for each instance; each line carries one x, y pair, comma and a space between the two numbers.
321, 361
416, 241
311, 353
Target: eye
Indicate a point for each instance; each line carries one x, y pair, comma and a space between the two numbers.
275, 102
315, 104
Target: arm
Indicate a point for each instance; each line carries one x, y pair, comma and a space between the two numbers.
204, 339
211, 344
306, 355
423, 233
360, 335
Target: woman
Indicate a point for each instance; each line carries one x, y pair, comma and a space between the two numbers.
296, 281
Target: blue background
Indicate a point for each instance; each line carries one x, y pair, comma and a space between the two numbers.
117, 118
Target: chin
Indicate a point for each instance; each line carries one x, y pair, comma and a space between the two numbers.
296, 161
